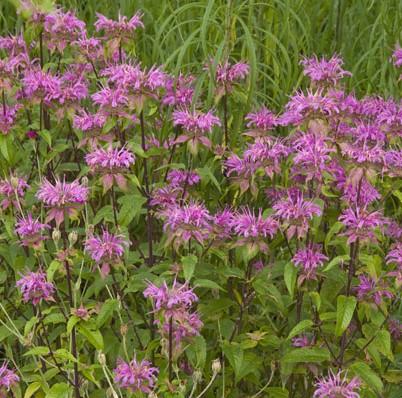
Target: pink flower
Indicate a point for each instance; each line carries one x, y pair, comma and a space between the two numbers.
179, 91
166, 196
181, 178
227, 74
34, 287
397, 56
260, 122
395, 255
8, 378
370, 288
135, 376
30, 231
241, 172
334, 386
123, 28
111, 100
189, 221
13, 189
395, 328
222, 224
37, 85
90, 47
295, 213
185, 325
360, 224
323, 71
62, 198
106, 249
62, 29
91, 125
111, 163
309, 259
302, 341
8, 116
195, 125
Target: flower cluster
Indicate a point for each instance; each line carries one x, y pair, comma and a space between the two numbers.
35, 288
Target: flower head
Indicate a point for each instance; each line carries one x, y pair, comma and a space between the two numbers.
34, 287
260, 122
309, 259
13, 190
62, 198
8, 378
123, 28
30, 231
181, 178
336, 386
371, 289
179, 91
135, 376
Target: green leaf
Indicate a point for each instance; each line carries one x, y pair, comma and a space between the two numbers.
62, 353
71, 323
306, 355
40, 350
189, 263
58, 390
53, 267
207, 175
29, 325
131, 207
382, 342
31, 389
300, 327
336, 227
335, 261
94, 337
344, 313
364, 371
290, 275
316, 299
108, 307
207, 283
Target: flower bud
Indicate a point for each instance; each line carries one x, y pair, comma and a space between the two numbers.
197, 376
123, 329
101, 358
72, 237
152, 394
84, 180
56, 235
216, 365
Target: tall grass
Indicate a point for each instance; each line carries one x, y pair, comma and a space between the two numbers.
272, 35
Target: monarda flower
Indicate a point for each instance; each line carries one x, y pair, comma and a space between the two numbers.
395, 329
189, 221
90, 48
195, 125
106, 249
360, 224
61, 29
172, 300
227, 74
111, 100
336, 386
393, 163
324, 72
308, 260
185, 325
62, 198
253, 229
122, 29
8, 379
37, 85
13, 190
397, 57
35, 288
370, 289
135, 376
294, 212
182, 178
91, 125
179, 91
260, 123
8, 117
302, 341
395, 257
30, 231
111, 164
222, 224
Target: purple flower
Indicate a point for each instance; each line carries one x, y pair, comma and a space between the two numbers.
195, 124
397, 56
8, 378
173, 299
61, 29
179, 91
135, 376
222, 224
364, 153
323, 71
90, 47
181, 178
34, 287
260, 122
30, 231
395, 255
185, 325
295, 212
243, 170
189, 221
8, 116
166, 196
309, 259
370, 288
106, 249
123, 28
13, 189
62, 198
302, 341
336, 386
395, 328
230, 73
360, 224
393, 163
111, 163
111, 100
253, 229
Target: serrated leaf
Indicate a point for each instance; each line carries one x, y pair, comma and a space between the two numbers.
306, 355
344, 313
300, 327
189, 263
108, 307
366, 374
